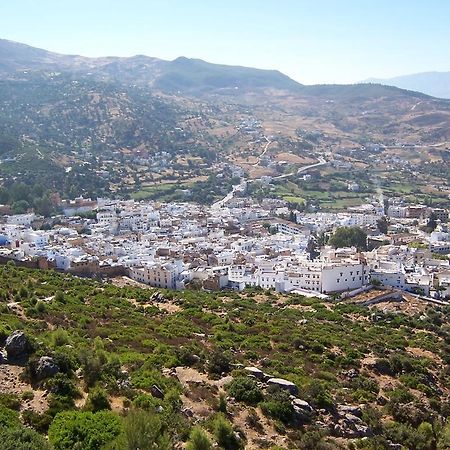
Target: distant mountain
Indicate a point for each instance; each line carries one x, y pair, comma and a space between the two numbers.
436, 84
181, 75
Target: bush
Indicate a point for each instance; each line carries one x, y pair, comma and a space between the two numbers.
225, 436
97, 400
8, 417
245, 390
318, 395
219, 362
60, 337
84, 430
198, 440
141, 430
22, 439
278, 406
61, 384
11, 401
40, 422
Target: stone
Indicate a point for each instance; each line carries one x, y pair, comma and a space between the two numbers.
353, 419
301, 415
17, 345
257, 373
156, 392
187, 412
349, 409
283, 384
46, 367
302, 404
3, 358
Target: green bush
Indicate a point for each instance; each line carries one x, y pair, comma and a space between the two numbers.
8, 417
141, 431
198, 440
84, 430
225, 436
97, 400
11, 401
277, 405
245, 390
22, 439
219, 362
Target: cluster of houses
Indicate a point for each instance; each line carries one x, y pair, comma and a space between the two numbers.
240, 243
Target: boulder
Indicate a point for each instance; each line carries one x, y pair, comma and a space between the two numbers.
156, 392
259, 374
3, 358
46, 367
17, 345
301, 415
349, 409
283, 384
302, 404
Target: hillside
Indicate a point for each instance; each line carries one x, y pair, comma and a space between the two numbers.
356, 376
97, 126
436, 84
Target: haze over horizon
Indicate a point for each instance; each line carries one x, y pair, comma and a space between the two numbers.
328, 42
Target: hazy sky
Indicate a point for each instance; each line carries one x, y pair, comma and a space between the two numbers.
313, 41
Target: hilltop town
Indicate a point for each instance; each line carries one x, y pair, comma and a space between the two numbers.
239, 242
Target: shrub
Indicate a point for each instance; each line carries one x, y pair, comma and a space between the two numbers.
222, 406
245, 390
219, 362
8, 417
198, 440
27, 395
84, 430
40, 422
60, 337
11, 401
141, 430
278, 406
225, 436
22, 439
97, 400
318, 394
61, 384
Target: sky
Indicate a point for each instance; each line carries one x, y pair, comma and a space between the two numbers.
312, 41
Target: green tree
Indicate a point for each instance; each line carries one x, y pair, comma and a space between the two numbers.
349, 237
382, 225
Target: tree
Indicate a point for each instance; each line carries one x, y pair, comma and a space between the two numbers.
432, 222
198, 440
382, 225
349, 237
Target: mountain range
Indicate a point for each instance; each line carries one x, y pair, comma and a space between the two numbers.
69, 112
436, 84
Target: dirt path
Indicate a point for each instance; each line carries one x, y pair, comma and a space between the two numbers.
10, 383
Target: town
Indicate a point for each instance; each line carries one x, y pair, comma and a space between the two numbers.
239, 242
